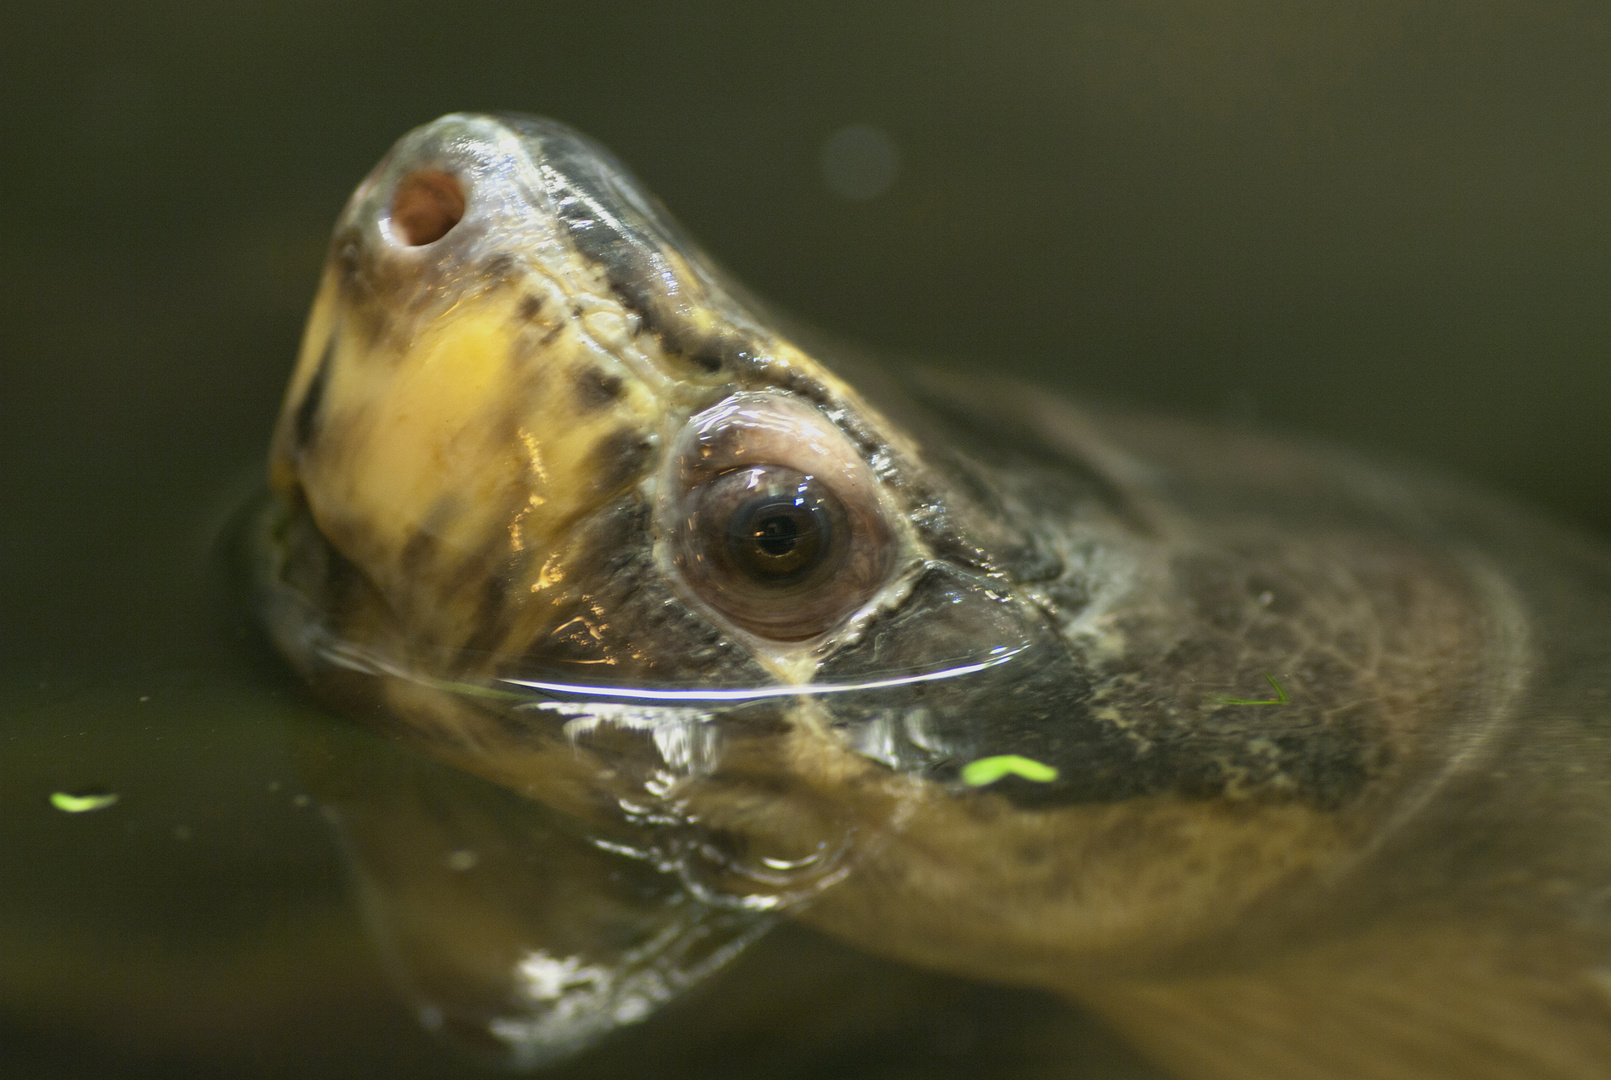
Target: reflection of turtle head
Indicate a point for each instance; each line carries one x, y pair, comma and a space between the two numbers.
560, 505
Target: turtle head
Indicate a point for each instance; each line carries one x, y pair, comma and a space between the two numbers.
525, 409
542, 469
542, 429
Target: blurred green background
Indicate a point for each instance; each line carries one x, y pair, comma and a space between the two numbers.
1385, 223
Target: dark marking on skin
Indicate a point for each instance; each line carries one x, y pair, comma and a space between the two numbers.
368, 292
498, 268
306, 422
800, 384
596, 389
526, 345
619, 458
488, 619
531, 305
346, 251
417, 553
708, 361
634, 300
454, 572
710, 351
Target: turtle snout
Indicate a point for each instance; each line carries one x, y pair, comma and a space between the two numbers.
440, 215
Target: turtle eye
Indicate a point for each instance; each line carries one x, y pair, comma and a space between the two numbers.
788, 550
776, 551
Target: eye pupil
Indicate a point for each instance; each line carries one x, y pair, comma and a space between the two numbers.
776, 535
777, 538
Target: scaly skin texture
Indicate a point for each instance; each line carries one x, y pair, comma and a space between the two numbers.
477, 476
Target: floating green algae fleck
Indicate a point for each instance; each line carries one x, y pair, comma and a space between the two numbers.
989, 770
68, 803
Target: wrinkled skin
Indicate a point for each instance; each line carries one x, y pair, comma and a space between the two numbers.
1330, 796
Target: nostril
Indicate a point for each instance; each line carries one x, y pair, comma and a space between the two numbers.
426, 206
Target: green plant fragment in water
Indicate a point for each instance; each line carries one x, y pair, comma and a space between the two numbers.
1279, 699
80, 804
472, 689
989, 770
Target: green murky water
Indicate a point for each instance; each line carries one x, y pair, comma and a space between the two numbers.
1388, 224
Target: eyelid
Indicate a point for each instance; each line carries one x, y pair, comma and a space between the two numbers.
762, 428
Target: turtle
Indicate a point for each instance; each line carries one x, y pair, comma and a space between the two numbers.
1282, 762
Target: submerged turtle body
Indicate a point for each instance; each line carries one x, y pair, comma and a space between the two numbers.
1285, 765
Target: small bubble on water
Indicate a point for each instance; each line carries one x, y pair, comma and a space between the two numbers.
859, 162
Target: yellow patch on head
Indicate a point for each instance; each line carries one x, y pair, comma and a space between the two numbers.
460, 441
